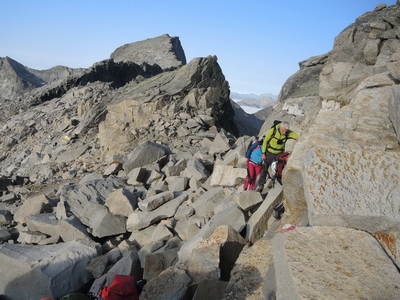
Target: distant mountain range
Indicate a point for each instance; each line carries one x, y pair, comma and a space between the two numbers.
252, 103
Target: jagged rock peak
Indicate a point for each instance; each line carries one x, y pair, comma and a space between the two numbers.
165, 51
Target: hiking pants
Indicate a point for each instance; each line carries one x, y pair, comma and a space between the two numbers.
253, 170
263, 175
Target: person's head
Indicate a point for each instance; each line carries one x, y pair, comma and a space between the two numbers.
284, 127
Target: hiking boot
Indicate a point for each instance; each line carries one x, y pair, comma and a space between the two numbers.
278, 211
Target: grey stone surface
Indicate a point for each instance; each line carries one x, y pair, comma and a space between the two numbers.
136, 175
394, 110
72, 229
86, 202
45, 223
220, 144
195, 169
171, 284
248, 200
33, 271
227, 176
97, 266
177, 183
231, 244
128, 265
155, 201
5, 235
205, 263
232, 216
257, 225
33, 206
139, 220
332, 262
163, 50
155, 263
144, 154
365, 197
121, 202
210, 289
205, 205
252, 273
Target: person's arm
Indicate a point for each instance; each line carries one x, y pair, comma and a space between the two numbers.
265, 143
266, 140
292, 135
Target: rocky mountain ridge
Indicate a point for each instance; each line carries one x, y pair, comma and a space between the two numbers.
253, 100
145, 178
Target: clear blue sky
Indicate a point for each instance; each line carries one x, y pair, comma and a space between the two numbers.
258, 42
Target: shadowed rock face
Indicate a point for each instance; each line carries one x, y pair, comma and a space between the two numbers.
163, 50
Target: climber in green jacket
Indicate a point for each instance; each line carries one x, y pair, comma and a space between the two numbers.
273, 145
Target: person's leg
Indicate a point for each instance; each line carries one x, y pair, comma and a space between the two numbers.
247, 180
257, 171
259, 186
252, 175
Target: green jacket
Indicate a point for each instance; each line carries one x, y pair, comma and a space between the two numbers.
274, 141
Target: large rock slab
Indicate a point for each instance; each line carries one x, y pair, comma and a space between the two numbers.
351, 188
227, 176
195, 169
144, 154
248, 200
86, 202
204, 263
332, 263
205, 205
231, 244
155, 201
170, 284
163, 50
363, 124
32, 206
220, 144
258, 222
34, 272
121, 202
139, 220
155, 263
210, 289
394, 110
44, 223
252, 276
232, 216
72, 229
129, 264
